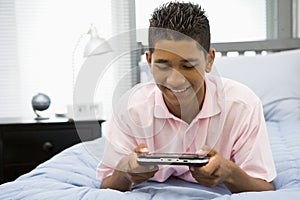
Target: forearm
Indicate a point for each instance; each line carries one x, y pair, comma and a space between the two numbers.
117, 181
240, 181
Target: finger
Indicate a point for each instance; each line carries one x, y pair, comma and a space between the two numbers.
205, 180
212, 152
206, 151
144, 169
144, 175
203, 151
201, 177
125, 164
140, 177
217, 173
199, 173
209, 169
136, 179
152, 168
141, 149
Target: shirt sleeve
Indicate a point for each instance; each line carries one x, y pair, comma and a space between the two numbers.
251, 150
118, 143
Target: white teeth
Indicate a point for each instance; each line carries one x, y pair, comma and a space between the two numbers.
178, 91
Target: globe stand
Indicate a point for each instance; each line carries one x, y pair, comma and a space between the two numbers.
38, 116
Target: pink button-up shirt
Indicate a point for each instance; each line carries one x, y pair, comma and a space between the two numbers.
231, 121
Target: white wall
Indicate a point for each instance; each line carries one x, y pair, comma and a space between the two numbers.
298, 18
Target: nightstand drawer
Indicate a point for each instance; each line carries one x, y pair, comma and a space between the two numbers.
33, 146
24, 143
12, 171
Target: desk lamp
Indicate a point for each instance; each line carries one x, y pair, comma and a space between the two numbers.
93, 47
96, 46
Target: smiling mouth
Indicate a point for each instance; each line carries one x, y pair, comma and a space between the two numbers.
179, 91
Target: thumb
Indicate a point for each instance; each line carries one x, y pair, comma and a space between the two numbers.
141, 149
206, 151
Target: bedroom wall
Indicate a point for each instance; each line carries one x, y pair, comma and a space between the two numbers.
298, 18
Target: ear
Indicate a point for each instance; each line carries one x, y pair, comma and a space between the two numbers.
210, 60
148, 58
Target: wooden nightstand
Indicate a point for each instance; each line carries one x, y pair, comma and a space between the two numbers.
26, 143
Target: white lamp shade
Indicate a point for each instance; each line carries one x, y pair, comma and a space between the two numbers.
96, 45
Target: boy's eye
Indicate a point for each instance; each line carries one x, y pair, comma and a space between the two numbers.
162, 67
188, 66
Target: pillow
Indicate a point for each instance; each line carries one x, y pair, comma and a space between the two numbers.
275, 78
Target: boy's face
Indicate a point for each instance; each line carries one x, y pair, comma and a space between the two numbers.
178, 68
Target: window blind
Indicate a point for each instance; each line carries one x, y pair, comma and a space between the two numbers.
234, 20
124, 68
10, 98
37, 39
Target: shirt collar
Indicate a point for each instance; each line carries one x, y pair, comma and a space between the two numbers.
160, 108
211, 106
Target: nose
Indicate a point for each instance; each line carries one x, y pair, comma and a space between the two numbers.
175, 78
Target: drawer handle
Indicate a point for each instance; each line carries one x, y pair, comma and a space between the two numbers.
48, 146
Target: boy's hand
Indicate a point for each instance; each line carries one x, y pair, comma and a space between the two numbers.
217, 170
133, 171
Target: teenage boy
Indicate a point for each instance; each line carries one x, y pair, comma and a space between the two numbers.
187, 110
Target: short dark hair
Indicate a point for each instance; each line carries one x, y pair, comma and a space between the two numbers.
186, 18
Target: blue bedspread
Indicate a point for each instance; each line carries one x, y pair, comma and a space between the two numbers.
71, 175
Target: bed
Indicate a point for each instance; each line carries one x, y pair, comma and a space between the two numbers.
274, 77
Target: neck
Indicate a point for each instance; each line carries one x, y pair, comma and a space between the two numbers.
187, 112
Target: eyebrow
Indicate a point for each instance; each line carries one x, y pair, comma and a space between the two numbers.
188, 60
161, 61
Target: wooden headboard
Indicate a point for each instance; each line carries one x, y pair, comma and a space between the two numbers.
240, 48
257, 46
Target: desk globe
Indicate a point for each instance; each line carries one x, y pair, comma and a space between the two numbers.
40, 102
